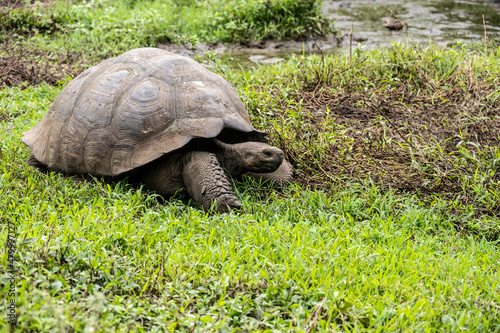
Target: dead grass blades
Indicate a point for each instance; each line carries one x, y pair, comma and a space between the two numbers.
425, 128
23, 66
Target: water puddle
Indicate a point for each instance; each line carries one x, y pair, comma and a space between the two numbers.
437, 21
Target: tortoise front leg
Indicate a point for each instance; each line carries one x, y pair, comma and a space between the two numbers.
207, 183
281, 177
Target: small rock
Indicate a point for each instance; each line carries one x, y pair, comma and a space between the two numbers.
395, 25
260, 59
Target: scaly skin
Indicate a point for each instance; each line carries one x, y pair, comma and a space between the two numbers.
197, 172
207, 183
164, 176
281, 177
241, 158
260, 161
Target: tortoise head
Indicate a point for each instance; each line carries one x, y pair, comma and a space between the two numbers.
259, 157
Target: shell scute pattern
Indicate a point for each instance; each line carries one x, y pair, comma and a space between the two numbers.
70, 150
201, 100
130, 110
98, 99
171, 70
145, 111
45, 138
97, 148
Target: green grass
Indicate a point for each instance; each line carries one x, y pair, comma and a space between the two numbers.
412, 119
346, 248
101, 28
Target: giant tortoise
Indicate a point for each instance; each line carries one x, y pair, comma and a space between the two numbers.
162, 119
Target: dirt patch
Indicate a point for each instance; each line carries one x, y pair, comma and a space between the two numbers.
269, 47
426, 143
386, 136
23, 66
13, 4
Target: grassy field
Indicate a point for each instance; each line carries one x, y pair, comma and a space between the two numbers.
392, 224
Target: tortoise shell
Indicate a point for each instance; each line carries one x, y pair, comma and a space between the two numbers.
132, 109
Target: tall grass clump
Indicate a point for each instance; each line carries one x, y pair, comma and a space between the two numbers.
267, 19
109, 27
412, 119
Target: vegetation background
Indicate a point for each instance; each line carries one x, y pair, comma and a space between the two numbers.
392, 223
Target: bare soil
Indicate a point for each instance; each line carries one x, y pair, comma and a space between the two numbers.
23, 66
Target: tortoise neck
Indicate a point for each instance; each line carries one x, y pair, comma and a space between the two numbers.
229, 158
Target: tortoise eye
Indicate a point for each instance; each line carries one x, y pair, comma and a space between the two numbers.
268, 153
